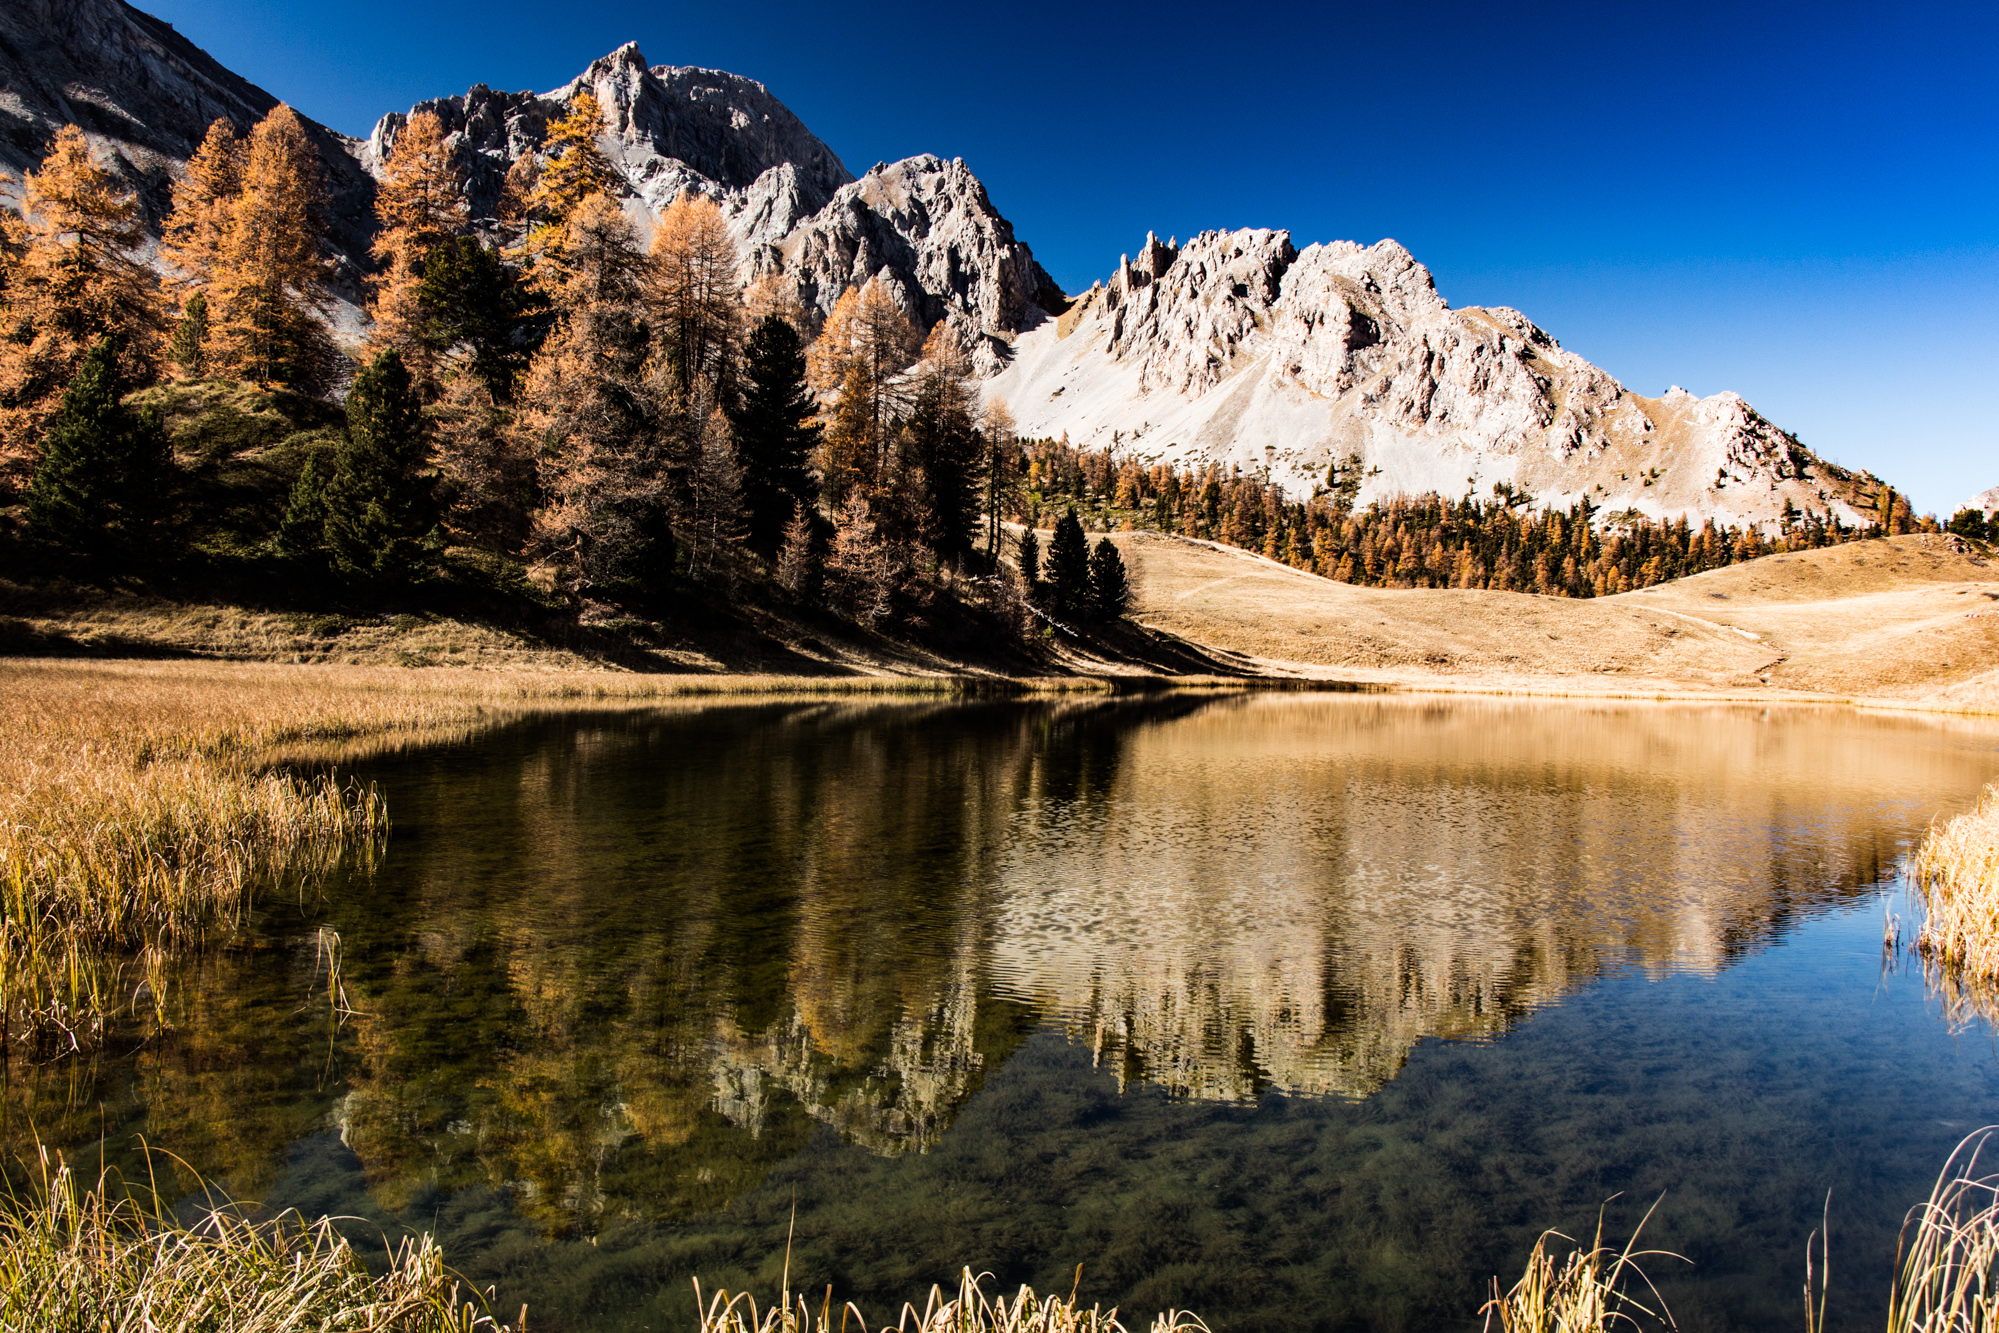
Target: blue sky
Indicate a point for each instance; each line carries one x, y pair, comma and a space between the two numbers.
1799, 202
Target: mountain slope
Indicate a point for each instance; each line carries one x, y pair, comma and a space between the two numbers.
1239, 348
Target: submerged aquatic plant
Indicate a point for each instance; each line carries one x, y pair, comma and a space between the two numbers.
1944, 1279
1586, 1292
96, 1257
970, 1311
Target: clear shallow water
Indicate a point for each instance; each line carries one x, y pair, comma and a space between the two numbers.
1290, 1010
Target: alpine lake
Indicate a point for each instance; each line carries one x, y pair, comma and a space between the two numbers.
1298, 1011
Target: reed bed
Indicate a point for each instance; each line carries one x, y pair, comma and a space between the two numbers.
1956, 871
96, 1257
1945, 1280
1588, 1291
970, 1311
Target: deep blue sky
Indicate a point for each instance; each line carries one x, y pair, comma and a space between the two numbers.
1799, 202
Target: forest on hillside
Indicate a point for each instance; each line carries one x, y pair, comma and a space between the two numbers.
560, 410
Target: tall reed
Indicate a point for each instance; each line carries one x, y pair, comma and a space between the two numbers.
1956, 871
1945, 1280
96, 1257
970, 1311
1588, 1291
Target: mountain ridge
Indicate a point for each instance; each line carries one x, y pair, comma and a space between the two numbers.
1236, 348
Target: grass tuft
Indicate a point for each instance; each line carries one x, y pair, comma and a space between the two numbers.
77, 1257
1944, 1281
1589, 1291
970, 1311
1956, 871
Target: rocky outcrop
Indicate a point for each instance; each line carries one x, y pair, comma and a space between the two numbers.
1240, 349
925, 226
1986, 502
145, 96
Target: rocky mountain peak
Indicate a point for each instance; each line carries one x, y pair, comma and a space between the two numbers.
1239, 348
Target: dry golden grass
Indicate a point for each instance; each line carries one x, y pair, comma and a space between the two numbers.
1588, 1291
140, 803
100, 1258
1912, 619
970, 1311
1957, 873
1947, 1278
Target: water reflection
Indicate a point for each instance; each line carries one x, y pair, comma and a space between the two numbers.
617, 969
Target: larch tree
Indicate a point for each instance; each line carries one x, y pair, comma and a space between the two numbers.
869, 334
270, 285
714, 504
570, 168
420, 206
194, 237
379, 507
99, 488
75, 280
588, 411
941, 452
794, 562
486, 475
776, 433
692, 288
1002, 469
859, 566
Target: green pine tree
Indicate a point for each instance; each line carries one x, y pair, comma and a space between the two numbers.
190, 336
471, 298
98, 489
775, 435
1110, 590
1069, 566
379, 508
302, 530
1030, 559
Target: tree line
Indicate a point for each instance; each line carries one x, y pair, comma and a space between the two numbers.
1501, 542
616, 416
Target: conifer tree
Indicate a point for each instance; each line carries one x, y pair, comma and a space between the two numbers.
486, 475
302, 530
188, 350
193, 238
99, 488
1002, 472
589, 413
775, 431
1069, 566
75, 280
270, 284
859, 566
866, 345
1029, 559
378, 505
571, 168
1110, 590
196, 232
945, 451
794, 563
473, 302
692, 285
715, 504
420, 205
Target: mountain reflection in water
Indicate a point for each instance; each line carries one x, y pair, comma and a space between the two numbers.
618, 967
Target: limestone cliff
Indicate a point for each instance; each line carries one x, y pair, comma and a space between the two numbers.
1239, 348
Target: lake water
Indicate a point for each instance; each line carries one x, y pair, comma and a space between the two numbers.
1298, 1011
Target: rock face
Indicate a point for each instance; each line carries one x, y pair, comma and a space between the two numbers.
1239, 348
924, 225
145, 96
1986, 502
